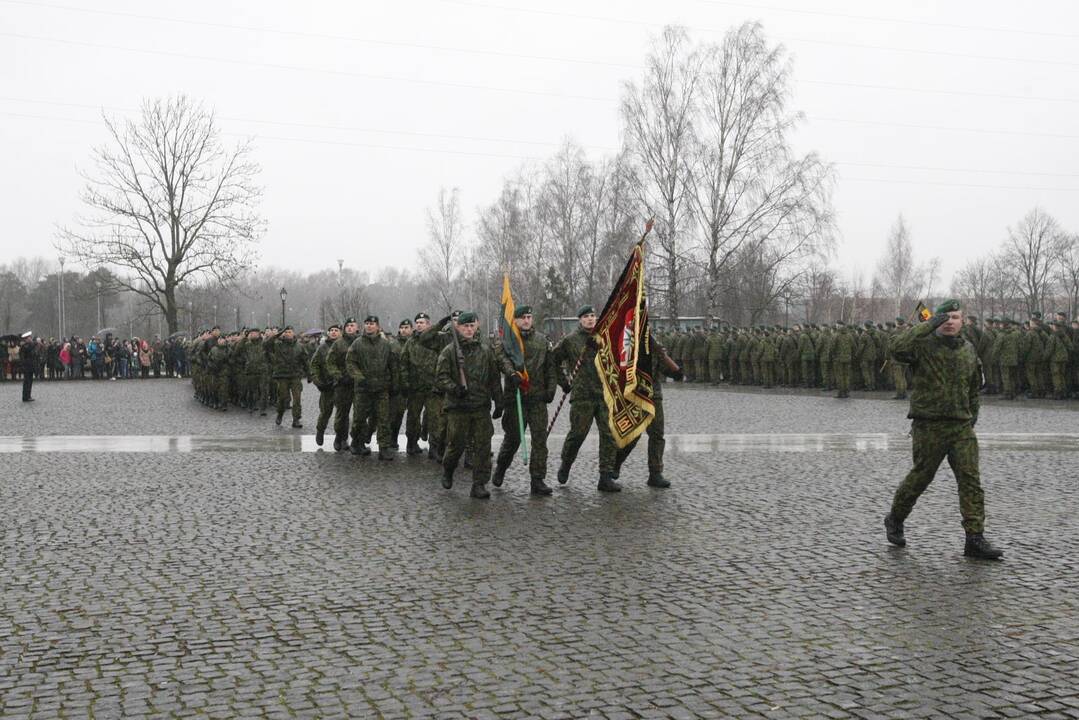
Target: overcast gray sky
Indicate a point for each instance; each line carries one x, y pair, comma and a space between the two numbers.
962, 115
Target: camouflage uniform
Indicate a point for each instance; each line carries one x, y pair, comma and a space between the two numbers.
418, 362
807, 353
586, 404
468, 409
432, 342
371, 362
289, 364
944, 407
842, 352
321, 380
543, 380
256, 376
338, 376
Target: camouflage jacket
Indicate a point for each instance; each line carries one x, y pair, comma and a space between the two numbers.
319, 376
566, 354
289, 361
947, 374
542, 373
371, 362
335, 361
482, 375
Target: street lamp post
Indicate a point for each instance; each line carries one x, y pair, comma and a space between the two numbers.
97, 286
284, 294
60, 299
190, 318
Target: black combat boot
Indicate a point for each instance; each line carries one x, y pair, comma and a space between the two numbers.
339, 444
278, 420
656, 480
607, 484
563, 474
413, 448
894, 530
387, 453
540, 488
319, 435
358, 449
978, 547
447, 477
479, 491
499, 476
297, 424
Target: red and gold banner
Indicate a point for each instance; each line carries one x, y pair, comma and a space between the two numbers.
624, 356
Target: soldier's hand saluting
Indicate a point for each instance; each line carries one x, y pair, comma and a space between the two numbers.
943, 313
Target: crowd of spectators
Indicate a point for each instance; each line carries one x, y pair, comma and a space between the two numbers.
108, 358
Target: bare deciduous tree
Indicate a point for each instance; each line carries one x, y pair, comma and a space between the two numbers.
974, 283
441, 259
1033, 248
747, 186
658, 117
169, 204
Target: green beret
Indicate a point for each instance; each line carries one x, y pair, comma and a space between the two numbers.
286, 328
331, 327
948, 306
585, 310
349, 320
466, 316
1035, 315
371, 319
405, 323
522, 311
422, 316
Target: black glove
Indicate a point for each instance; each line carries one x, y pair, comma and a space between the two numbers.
460, 392
308, 381
937, 320
497, 413
513, 381
548, 397
565, 386
678, 376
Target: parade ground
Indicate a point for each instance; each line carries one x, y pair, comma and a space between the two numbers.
161, 559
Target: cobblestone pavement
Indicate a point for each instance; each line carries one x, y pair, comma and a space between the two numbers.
230, 584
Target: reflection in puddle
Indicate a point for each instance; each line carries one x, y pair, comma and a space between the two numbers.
688, 443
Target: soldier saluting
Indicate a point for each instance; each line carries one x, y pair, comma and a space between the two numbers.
947, 376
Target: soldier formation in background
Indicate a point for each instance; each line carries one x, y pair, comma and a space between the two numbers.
1035, 358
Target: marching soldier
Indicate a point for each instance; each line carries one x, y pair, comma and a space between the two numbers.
338, 376
370, 362
289, 366
543, 380
422, 357
256, 373
662, 364
401, 384
574, 354
842, 352
944, 410
468, 375
321, 380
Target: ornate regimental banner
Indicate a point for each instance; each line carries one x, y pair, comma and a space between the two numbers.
624, 356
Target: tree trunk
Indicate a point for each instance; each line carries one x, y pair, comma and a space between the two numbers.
170, 309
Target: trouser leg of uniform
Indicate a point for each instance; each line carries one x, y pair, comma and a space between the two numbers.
580, 422
223, 390
413, 422
963, 459
929, 447
480, 431
607, 449
1059, 374
1033, 379
281, 389
656, 440
899, 372
1007, 378
536, 422
27, 385
342, 404
295, 387
381, 421
826, 375
398, 405
362, 406
511, 437
325, 409
808, 375
436, 419
841, 370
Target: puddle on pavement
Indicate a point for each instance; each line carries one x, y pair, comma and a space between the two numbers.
677, 443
